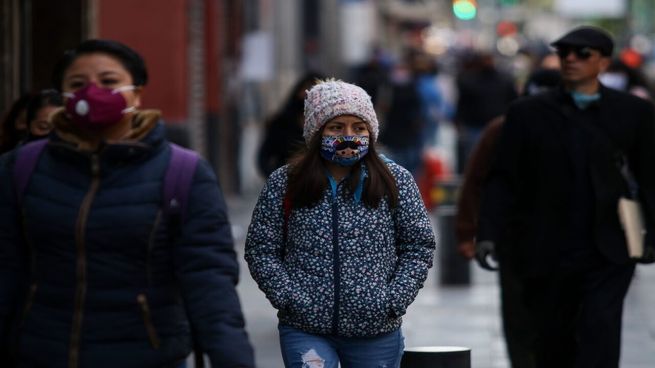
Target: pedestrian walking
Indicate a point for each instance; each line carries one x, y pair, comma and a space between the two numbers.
625, 78
484, 93
99, 266
550, 204
517, 327
283, 131
433, 105
39, 110
14, 124
340, 241
373, 76
404, 127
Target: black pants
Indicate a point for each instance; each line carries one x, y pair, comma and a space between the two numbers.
518, 328
577, 315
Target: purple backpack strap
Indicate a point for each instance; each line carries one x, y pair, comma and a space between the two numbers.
178, 179
27, 157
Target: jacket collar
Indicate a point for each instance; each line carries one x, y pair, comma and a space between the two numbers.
560, 100
144, 121
563, 97
360, 185
146, 133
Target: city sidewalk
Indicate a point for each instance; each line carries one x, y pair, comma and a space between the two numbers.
453, 316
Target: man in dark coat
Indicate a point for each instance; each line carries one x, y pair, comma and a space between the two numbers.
551, 199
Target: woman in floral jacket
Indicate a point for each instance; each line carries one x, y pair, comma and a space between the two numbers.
340, 241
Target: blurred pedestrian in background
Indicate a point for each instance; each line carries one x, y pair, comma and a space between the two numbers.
14, 124
549, 207
283, 134
39, 111
484, 93
433, 105
373, 76
517, 327
403, 128
340, 241
627, 79
95, 271
550, 61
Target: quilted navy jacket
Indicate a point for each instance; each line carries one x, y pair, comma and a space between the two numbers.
93, 274
346, 269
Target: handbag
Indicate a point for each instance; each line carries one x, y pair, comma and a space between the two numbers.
629, 207
631, 216
632, 221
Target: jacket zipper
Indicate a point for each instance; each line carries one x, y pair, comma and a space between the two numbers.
336, 266
80, 288
151, 244
147, 320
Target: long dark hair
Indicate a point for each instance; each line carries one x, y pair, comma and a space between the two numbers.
294, 104
307, 180
11, 136
46, 97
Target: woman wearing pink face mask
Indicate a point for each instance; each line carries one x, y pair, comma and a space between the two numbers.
93, 271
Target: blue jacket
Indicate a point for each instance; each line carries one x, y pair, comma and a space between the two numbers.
92, 274
346, 269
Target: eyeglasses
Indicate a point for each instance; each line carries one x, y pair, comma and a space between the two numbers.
582, 53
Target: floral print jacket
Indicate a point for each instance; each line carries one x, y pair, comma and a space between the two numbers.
346, 269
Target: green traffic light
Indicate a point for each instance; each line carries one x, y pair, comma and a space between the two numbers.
464, 9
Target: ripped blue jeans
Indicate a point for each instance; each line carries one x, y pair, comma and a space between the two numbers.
305, 350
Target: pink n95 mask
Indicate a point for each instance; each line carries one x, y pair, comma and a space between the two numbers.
95, 108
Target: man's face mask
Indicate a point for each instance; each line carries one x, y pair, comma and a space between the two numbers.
95, 108
344, 150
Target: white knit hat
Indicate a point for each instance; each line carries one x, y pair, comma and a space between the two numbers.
331, 98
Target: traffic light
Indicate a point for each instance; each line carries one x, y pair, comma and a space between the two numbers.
465, 9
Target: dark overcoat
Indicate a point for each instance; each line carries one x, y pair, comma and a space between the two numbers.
527, 196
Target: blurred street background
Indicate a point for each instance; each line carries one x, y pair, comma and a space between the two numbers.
220, 68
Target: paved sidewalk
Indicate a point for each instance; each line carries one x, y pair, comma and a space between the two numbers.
461, 316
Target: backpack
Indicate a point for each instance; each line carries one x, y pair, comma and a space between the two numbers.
176, 185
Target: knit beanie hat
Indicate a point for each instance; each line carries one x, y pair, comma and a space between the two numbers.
331, 98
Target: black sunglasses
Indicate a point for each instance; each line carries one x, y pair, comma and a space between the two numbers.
582, 53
